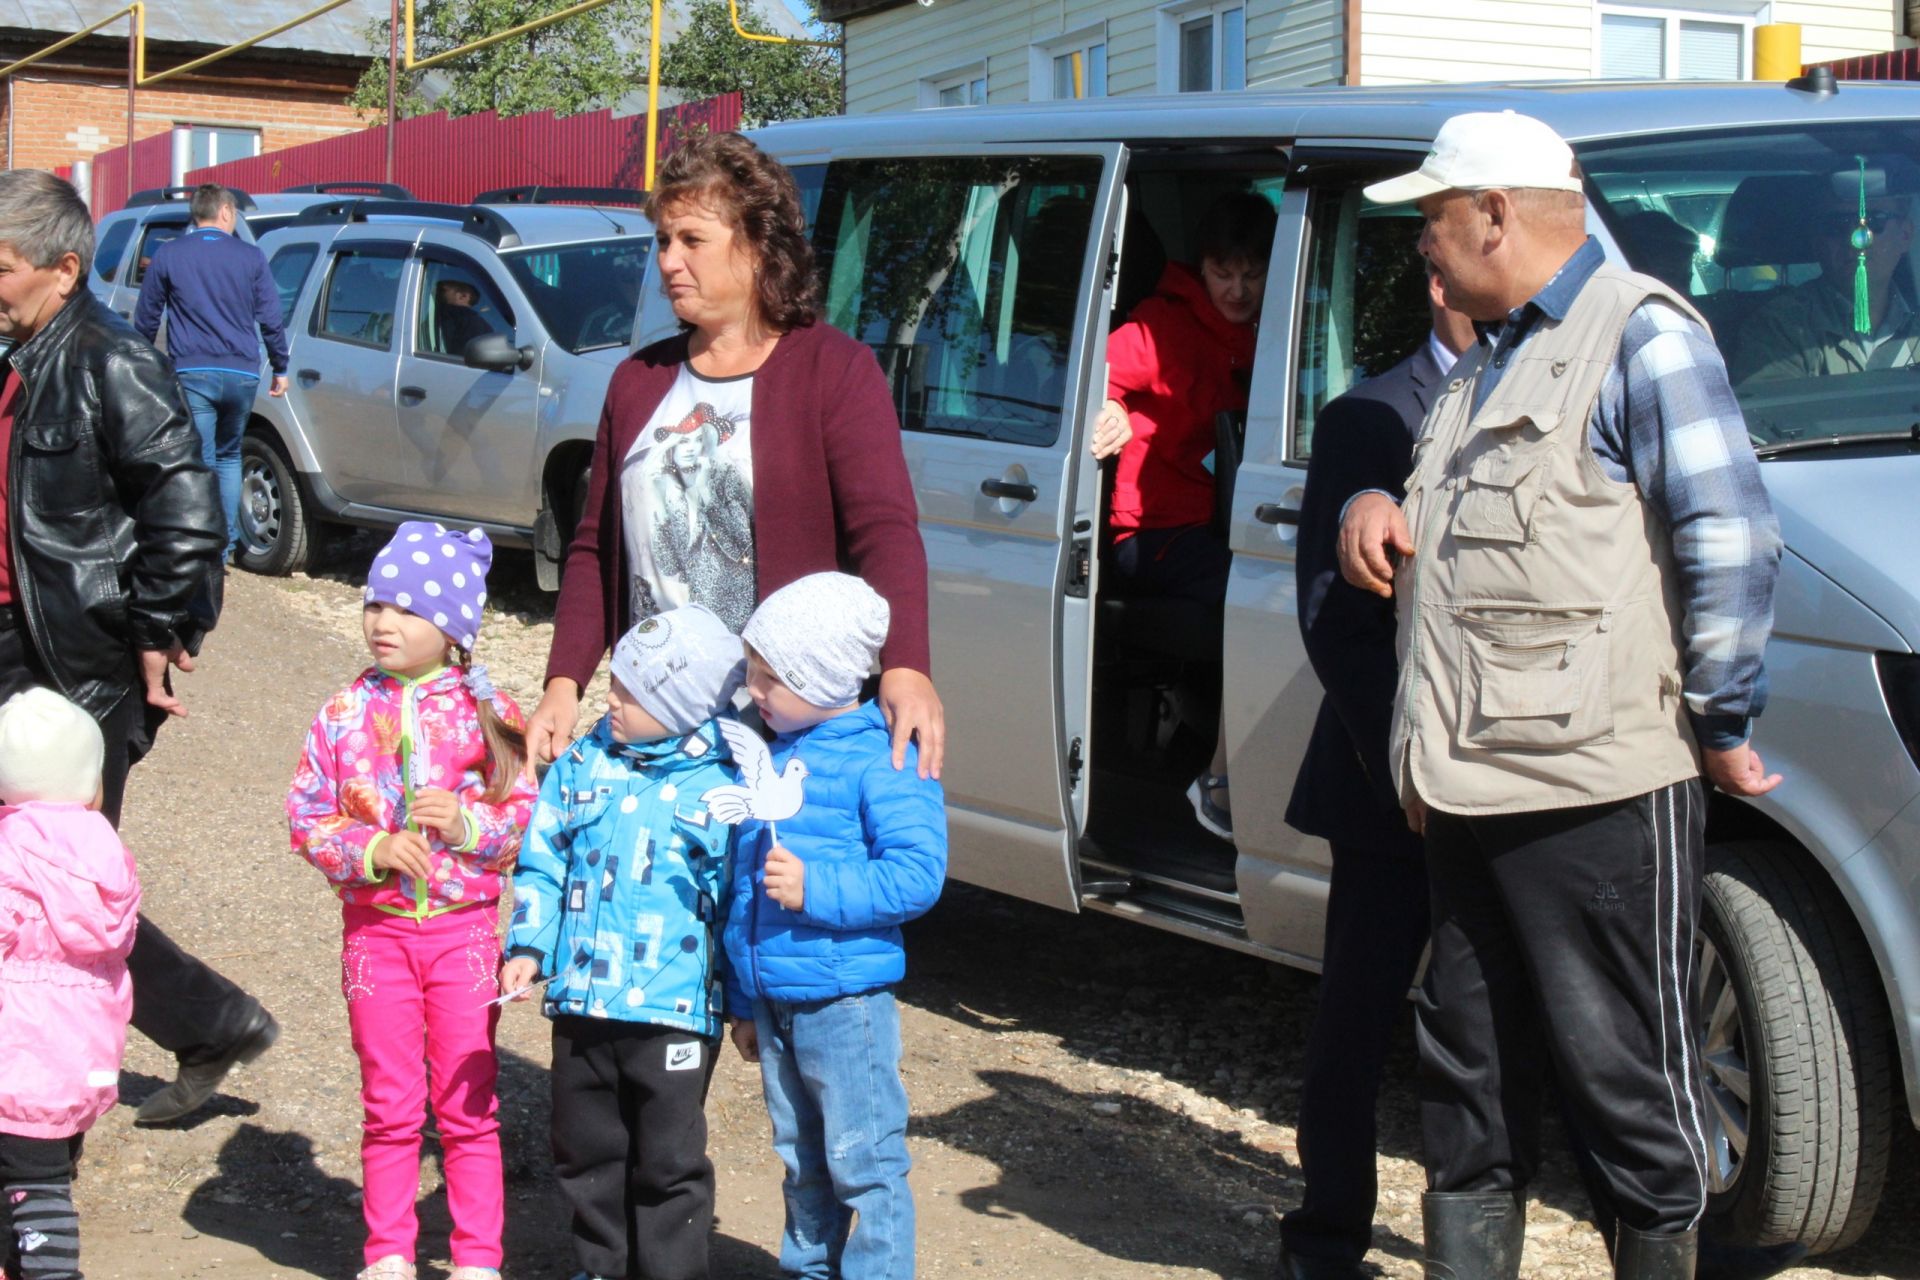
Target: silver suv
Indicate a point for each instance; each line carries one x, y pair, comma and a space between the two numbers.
448, 362
985, 253
124, 241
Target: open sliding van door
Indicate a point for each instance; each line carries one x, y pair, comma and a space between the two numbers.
981, 275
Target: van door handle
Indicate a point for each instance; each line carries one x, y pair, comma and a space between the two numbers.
1012, 490
412, 395
308, 377
1274, 513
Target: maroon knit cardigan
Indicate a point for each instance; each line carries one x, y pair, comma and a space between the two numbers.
830, 491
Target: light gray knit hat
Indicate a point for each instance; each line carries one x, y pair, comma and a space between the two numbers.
821, 635
683, 666
49, 750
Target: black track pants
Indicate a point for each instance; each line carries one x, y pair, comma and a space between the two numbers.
630, 1146
1565, 938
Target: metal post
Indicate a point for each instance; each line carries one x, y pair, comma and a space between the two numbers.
133, 82
653, 92
393, 76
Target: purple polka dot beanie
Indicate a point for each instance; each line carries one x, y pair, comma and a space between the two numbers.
437, 575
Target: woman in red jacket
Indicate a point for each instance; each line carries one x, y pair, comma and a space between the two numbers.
1184, 355
754, 448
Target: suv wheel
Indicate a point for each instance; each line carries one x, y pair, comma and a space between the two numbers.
1794, 1048
276, 532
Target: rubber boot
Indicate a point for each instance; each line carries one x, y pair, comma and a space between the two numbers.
1639, 1256
1473, 1235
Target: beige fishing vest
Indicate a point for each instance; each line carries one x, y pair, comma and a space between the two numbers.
1540, 646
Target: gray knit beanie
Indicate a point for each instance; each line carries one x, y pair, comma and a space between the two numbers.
821, 635
683, 666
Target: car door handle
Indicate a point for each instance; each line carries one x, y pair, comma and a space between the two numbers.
1012, 490
1274, 513
127, 314
308, 377
412, 395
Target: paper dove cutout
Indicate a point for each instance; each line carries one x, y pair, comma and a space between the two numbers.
762, 793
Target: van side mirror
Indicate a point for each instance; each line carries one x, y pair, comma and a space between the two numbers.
496, 352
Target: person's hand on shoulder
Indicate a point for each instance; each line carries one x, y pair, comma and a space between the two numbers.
913, 710
550, 727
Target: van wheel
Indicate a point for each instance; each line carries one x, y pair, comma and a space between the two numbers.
1794, 1046
276, 532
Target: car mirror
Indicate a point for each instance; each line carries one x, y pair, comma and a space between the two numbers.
496, 352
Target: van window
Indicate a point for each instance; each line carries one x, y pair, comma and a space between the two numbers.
361, 294
156, 234
111, 249
963, 275
290, 266
1366, 299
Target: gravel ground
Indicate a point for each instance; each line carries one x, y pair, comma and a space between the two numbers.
1091, 1098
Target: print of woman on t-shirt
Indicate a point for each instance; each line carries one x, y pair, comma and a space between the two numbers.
702, 518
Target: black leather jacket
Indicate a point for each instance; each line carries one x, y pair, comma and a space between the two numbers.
114, 525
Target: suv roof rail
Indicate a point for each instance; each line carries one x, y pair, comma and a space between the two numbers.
168, 195
373, 190
484, 223
541, 194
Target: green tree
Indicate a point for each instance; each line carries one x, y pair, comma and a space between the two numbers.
582, 63
775, 81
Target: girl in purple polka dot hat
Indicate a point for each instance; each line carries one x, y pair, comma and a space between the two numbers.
410, 799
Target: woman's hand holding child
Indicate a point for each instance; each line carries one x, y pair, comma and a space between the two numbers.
518, 975
437, 810
786, 878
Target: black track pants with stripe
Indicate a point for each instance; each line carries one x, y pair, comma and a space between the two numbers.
1563, 940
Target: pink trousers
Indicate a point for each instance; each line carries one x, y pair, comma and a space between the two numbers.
416, 999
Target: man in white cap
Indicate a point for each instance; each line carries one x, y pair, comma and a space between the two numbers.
1584, 567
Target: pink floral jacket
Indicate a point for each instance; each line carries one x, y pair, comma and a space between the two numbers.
369, 748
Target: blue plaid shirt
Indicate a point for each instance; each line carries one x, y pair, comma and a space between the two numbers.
1667, 421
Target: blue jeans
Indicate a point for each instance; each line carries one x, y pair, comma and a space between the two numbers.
221, 401
831, 1071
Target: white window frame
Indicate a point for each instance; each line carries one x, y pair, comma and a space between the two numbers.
1741, 13
182, 163
950, 77
1170, 18
1041, 53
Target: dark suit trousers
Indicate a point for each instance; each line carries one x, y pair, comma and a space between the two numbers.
178, 1002
1376, 931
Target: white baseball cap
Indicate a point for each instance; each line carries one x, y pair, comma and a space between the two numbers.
1482, 150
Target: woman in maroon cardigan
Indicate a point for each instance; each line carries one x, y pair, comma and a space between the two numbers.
755, 448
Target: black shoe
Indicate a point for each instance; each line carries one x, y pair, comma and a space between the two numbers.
195, 1084
1473, 1235
1639, 1256
1295, 1267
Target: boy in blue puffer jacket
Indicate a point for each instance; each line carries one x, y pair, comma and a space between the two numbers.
617, 899
813, 933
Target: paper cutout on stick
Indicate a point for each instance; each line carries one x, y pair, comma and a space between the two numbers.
764, 794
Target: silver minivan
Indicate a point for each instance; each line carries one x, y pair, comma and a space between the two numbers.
984, 254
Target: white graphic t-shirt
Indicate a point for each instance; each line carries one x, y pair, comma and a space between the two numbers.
686, 495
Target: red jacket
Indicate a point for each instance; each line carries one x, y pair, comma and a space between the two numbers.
830, 491
1176, 363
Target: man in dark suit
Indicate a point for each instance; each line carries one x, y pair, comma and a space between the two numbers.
1377, 903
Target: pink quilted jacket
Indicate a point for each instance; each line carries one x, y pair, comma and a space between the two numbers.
68, 900
371, 745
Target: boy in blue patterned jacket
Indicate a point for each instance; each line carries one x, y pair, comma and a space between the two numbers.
617, 901
813, 932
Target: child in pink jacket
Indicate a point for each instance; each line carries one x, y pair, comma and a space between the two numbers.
410, 799
68, 898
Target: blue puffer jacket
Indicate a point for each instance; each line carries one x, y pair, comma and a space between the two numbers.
622, 878
874, 841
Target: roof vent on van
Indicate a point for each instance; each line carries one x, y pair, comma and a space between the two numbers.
1817, 81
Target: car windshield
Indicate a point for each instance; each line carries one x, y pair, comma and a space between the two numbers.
586, 294
1796, 245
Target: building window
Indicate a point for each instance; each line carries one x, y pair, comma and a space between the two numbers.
957, 87
208, 145
1203, 46
1642, 43
1073, 65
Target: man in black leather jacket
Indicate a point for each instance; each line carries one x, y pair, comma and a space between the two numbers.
110, 544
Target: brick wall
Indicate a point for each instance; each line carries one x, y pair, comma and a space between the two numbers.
60, 117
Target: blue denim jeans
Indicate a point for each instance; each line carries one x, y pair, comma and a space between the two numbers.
831, 1071
221, 401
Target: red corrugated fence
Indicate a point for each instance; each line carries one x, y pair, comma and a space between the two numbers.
1901, 64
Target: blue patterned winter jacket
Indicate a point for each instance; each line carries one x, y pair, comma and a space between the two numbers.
622, 881
874, 841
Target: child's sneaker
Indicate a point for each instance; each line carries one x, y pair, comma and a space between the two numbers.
475, 1273
391, 1267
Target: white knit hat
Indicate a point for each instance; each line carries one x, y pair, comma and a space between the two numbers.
49, 750
820, 635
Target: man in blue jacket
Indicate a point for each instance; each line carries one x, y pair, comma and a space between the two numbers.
219, 301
